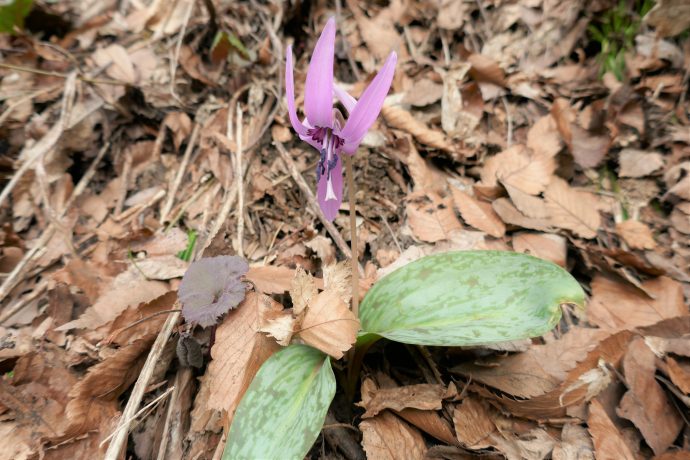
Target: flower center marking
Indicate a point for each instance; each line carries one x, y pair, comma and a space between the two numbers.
330, 148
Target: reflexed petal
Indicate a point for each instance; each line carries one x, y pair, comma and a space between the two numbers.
368, 107
344, 97
318, 92
290, 94
330, 208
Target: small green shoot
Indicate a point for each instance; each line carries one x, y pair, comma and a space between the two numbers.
616, 32
223, 44
186, 254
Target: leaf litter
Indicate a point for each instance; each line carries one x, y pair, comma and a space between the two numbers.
121, 132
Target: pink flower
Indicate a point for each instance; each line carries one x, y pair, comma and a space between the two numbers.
324, 128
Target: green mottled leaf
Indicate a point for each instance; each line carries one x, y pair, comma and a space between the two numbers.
283, 410
12, 14
469, 298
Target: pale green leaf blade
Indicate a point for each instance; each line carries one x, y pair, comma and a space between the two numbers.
282, 412
469, 298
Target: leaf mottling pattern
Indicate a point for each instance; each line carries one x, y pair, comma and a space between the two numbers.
283, 410
469, 298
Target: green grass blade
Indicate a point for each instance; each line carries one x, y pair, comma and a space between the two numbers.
469, 298
282, 412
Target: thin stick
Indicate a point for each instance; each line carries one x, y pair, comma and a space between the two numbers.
143, 409
180, 173
240, 182
122, 431
353, 236
311, 199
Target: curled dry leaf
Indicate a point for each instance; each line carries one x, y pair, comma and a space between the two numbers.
423, 396
211, 287
94, 398
572, 209
521, 168
636, 234
431, 217
679, 374
608, 440
543, 245
329, 325
302, 290
386, 436
126, 289
239, 351
638, 163
271, 279
540, 369
646, 403
575, 444
400, 118
582, 383
511, 215
338, 278
478, 214
473, 423
616, 306
531, 206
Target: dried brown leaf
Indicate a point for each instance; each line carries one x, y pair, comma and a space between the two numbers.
540, 369
669, 17
573, 209
543, 137
429, 422
531, 206
645, 403
546, 246
387, 437
616, 306
639, 163
608, 440
271, 279
519, 167
329, 325
583, 382
679, 374
238, 352
510, 215
400, 118
338, 278
279, 324
478, 214
431, 217
588, 149
473, 423
302, 290
323, 247
128, 288
424, 396
636, 234
94, 398
576, 444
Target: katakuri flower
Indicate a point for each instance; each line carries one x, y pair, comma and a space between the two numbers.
324, 127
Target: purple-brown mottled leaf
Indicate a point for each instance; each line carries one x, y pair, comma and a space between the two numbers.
212, 287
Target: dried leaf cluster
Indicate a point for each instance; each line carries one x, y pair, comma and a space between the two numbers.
131, 145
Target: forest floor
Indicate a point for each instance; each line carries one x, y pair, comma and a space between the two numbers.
136, 138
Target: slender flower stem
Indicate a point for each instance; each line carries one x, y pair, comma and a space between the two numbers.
353, 232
